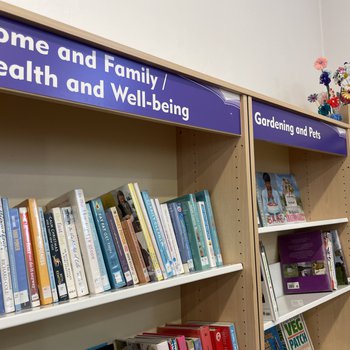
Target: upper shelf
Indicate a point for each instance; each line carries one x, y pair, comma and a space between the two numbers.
301, 225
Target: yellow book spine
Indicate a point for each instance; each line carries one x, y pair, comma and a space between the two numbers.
146, 233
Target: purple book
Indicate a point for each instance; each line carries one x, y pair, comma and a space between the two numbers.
304, 263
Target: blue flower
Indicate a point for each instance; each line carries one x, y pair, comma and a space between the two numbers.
324, 109
324, 78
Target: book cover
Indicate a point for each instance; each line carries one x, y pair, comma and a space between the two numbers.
124, 244
74, 252
23, 288
29, 258
189, 344
304, 263
65, 256
175, 210
341, 269
56, 258
48, 256
119, 247
145, 343
100, 261
136, 251
126, 200
273, 340
36, 236
295, 334
114, 270
174, 341
205, 197
270, 206
196, 342
76, 200
328, 245
159, 235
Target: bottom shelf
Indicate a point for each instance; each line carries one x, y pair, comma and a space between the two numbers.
44, 312
292, 305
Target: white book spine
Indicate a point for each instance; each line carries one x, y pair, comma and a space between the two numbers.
207, 234
5, 271
74, 250
86, 242
125, 246
170, 230
66, 262
148, 223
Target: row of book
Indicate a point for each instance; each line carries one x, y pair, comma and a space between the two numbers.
309, 262
289, 335
190, 336
71, 247
279, 200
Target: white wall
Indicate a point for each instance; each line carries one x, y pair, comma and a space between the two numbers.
266, 46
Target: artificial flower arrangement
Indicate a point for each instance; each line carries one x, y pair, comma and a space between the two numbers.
330, 102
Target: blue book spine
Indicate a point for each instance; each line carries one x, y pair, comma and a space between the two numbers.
48, 256
23, 288
2, 306
233, 337
119, 248
205, 197
159, 235
115, 273
197, 344
11, 253
175, 211
101, 263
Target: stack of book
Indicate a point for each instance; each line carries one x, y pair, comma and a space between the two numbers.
72, 247
190, 336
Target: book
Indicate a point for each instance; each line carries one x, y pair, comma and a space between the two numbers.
76, 200
2, 305
5, 269
74, 252
39, 253
269, 202
114, 270
215, 335
119, 247
291, 199
64, 251
56, 258
48, 256
145, 343
196, 342
273, 339
295, 334
341, 269
304, 263
174, 341
175, 211
22, 301
126, 200
29, 258
205, 197
100, 260
136, 251
328, 245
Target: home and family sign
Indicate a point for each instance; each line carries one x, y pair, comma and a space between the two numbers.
278, 125
39, 62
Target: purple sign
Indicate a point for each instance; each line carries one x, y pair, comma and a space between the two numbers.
43, 63
287, 128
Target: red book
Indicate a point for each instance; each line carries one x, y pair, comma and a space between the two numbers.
29, 258
201, 332
180, 339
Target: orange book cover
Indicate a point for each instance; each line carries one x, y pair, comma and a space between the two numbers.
36, 236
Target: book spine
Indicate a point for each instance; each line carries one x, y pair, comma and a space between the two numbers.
158, 276
101, 264
233, 337
23, 288
62, 243
330, 259
124, 243
207, 234
185, 252
84, 231
11, 253
115, 273
29, 257
2, 305
176, 253
135, 251
119, 247
48, 256
342, 272
163, 249
74, 251
56, 257
5, 269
